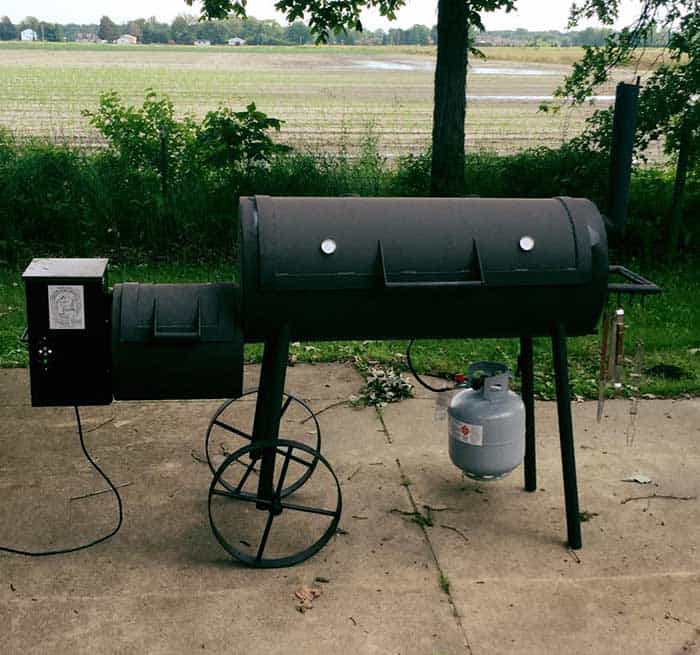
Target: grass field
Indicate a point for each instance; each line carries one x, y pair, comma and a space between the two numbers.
662, 338
329, 98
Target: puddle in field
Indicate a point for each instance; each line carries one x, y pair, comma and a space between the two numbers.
373, 64
498, 70
387, 65
531, 98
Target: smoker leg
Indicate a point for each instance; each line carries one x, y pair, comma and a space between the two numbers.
528, 389
566, 436
268, 410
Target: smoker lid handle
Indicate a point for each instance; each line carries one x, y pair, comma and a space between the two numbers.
177, 335
425, 285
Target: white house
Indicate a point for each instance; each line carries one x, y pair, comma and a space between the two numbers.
126, 39
236, 41
202, 43
28, 35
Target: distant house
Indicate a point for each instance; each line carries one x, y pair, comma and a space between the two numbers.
86, 37
202, 43
126, 39
28, 35
236, 41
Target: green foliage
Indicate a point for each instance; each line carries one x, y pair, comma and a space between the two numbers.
382, 386
61, 201
44, 195
141, 135
153, 141
229, 139
162, 183
8, 32
666, 104
107, 31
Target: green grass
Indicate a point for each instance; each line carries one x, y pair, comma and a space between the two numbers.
668, 327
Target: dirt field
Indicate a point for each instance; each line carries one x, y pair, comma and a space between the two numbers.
329, 98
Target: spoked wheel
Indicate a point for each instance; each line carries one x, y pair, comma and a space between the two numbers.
232, 427
272, 531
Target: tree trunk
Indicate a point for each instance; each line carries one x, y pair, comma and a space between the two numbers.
676, 225
447, 173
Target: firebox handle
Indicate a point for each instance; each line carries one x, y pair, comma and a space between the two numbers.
193, 335
636, 285
432, 285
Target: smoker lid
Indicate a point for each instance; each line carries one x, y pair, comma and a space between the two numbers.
364, 243
187, 312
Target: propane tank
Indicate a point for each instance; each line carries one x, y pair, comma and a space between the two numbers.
487, 424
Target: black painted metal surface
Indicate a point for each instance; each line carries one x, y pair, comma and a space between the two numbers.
172, 341
420, 267
623, 131
68, 332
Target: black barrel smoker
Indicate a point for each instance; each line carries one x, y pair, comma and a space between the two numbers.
325, 269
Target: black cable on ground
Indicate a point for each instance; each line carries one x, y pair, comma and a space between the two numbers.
63, 551
422, 382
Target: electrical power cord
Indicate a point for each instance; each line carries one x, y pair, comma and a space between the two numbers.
63, 551
422, 382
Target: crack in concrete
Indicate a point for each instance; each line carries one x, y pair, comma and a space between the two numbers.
385, 430
441, 573
444, 583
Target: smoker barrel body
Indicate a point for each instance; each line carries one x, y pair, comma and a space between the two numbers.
375, 268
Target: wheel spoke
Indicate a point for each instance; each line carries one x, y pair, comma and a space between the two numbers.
240, 496
286, 405
248, 471
230, 428
310, 510
266, 534
238, 461
294, 458
283, 472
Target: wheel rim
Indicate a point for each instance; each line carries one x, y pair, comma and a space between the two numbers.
275, 506
218, 421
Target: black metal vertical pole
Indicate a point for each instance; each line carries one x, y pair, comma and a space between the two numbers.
268, 409
621, 153
528, 388
566, 436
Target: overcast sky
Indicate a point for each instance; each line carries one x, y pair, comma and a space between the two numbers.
532, 14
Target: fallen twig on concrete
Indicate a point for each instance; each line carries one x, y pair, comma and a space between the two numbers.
325, 409
100, 425
101, 491
416, 517
650, 496
573, 554
197, 457
357, 624
457, 530
354, 473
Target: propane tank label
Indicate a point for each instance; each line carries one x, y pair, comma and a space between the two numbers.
66, 307
466, 432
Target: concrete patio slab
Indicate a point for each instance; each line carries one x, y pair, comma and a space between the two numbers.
491, 575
